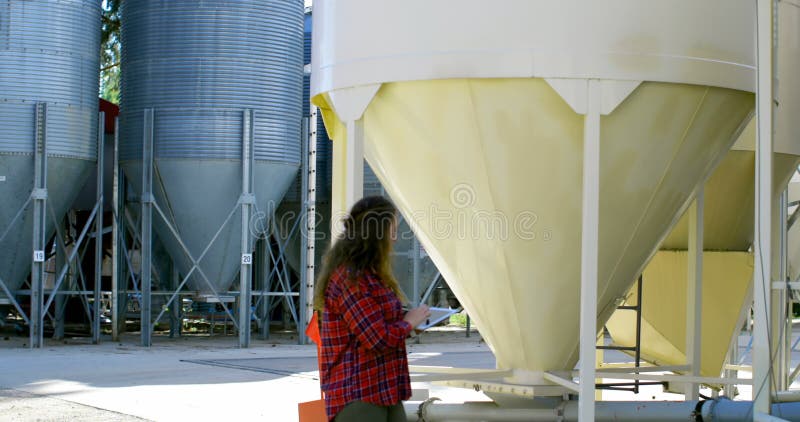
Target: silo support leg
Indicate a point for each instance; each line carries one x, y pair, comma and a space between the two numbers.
694, 292
39, 197
147, 229
247, 201
589, 250
762, 247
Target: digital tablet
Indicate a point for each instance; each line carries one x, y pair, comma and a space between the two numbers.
437, 315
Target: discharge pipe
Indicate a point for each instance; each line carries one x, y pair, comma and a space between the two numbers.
720, 410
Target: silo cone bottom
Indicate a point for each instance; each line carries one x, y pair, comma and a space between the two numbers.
197, 196
508, 152
65, 178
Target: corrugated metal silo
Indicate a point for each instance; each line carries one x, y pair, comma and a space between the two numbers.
48, 54
200, 65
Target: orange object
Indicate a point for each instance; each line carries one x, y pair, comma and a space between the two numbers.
312, 411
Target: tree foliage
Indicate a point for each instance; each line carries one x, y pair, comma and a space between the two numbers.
110, 52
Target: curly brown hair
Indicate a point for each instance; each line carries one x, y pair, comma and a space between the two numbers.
365, 246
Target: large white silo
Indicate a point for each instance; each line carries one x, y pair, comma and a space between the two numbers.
485, 122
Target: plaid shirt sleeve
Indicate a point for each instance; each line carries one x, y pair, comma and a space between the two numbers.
365, 318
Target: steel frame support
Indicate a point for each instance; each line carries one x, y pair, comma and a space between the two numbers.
98, 236
762, 344
246, 204
118, 315
175, 323
694, 293
39, 197
782, 310
247, 201
308, 215
416, 265
262, 277
60, 303
589, 250
148, 200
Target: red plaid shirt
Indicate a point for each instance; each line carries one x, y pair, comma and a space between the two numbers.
363, 344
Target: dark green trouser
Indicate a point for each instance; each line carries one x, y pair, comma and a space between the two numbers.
359, 411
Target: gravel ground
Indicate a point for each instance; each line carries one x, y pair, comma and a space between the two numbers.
19, 406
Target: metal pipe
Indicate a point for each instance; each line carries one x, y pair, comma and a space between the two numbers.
787, 396
721, 410
430, 411
763, 417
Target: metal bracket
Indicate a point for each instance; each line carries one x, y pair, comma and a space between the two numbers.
39, 193
247, 199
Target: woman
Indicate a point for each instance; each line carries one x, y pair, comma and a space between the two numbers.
363, 364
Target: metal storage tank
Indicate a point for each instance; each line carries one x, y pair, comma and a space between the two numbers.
48, 54
487, 120
200, 66
727, 236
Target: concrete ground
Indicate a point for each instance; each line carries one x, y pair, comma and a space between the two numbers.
209, 379
191, 378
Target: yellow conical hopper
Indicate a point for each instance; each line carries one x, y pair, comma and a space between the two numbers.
728, 235
486, 160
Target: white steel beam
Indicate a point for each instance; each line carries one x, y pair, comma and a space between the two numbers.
589, 247
694, 292
762, 356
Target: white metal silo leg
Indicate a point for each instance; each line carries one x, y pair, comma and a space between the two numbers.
694, 292
355, 162
145, 273
247, 200
589, 247
98, 232
39, 197
350, 104
762, 248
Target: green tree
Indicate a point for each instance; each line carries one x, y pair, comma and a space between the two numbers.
110, 52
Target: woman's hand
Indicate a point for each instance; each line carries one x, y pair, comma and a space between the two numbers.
417, 316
